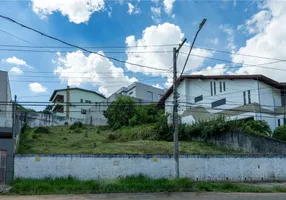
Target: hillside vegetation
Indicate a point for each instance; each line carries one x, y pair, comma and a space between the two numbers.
79, 139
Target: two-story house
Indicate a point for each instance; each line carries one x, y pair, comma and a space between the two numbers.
74, 102
233, 96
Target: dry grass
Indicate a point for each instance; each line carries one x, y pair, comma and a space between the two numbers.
62, 140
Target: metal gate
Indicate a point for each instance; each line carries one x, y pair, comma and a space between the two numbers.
3, 163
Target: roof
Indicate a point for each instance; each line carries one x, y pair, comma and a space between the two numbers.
91, 91
264, 79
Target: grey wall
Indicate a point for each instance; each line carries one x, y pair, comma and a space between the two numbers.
142, 89
8, 145
196, 167
249, 143
5, 95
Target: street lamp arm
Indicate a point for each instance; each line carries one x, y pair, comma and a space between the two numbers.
200, 27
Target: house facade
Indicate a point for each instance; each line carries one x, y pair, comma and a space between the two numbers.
7, 140
141, 91
232, 96
74, 102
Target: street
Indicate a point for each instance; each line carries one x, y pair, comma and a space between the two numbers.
159, 196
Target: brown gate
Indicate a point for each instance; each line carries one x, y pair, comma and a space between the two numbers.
3, 162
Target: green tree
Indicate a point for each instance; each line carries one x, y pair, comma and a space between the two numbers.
120, 111
48, 109
23, 109
280, 133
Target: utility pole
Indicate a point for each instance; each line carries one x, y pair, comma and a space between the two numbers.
14, 108
175, 110
176, 96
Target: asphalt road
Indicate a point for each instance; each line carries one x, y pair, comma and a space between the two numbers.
161, 196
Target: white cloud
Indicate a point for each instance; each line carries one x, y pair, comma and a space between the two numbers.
230, 36
214, 41
37, 87
132, 9
156, 14
162, 34
168, 6
256, 23
16, 70
77, 69
78, 11
157, 86
218, 69
269, 41
15, 61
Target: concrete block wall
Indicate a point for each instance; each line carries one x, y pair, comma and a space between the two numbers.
196, 167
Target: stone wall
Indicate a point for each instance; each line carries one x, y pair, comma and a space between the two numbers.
196, 167
249, 143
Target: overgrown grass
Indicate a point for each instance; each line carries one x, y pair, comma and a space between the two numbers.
63, 140
129, 184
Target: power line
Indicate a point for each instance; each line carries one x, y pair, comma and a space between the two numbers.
78, 47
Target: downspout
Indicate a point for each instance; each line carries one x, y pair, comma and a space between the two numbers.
258, 87
68, 103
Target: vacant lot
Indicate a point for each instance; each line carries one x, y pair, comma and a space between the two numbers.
101, 140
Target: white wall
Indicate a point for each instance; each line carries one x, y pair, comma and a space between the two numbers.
196, 167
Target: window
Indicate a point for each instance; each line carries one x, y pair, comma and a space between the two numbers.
249, 96
150, 96
87, 101
279, 123
83, 111
284, 121
223, 86
160, 96
211, 84
244, 98
198, 98
214, 88
81, 100
220, 86
218, 103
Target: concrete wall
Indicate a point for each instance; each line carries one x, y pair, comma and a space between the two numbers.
8, 145
196, 167
249, 143
5, 96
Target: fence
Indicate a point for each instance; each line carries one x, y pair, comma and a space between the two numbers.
196, 167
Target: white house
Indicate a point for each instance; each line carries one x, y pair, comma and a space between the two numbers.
233, 96
74, 102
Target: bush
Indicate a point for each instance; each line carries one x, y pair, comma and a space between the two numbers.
42, 129
119, 112
259, 127
66, 123
280, 133
25, 127
76, 125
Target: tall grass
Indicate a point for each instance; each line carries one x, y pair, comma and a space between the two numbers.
129, 184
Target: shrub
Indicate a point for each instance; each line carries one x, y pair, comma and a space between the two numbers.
25, 127
280, 133
76, 125
260, 127
119, 112
42, 129
66, 123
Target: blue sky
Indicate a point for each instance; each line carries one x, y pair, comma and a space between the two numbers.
246, 27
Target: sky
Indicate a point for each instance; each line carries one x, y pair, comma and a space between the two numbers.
239, 37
